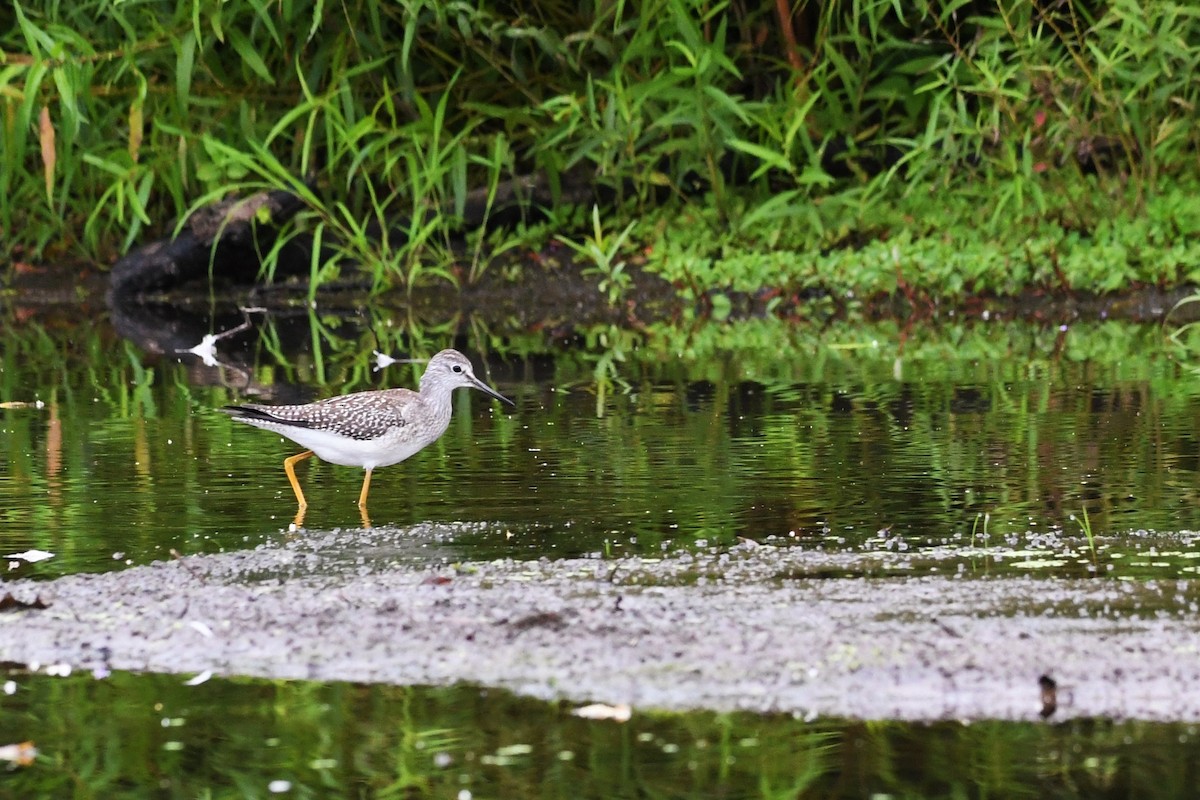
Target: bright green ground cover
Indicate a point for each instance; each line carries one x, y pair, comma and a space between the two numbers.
937, 148
944, 245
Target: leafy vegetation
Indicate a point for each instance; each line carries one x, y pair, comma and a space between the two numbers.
930, 148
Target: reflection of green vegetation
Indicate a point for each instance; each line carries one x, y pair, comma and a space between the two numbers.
151, 736
762, 427
1185, 336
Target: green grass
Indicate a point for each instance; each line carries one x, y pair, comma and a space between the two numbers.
1085, 527
941, 149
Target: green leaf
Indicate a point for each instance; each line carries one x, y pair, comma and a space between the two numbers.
185, 62
39, 42
721, 306
249, 55
770, 158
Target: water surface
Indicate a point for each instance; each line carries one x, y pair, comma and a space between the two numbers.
995, 440
978, 448
152, 736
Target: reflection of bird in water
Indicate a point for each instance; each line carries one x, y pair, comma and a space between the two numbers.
368, 429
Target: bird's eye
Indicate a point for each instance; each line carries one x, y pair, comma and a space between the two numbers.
457, 368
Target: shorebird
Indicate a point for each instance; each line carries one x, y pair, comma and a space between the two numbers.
368, 429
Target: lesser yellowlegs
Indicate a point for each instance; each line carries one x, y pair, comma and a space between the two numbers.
368, 429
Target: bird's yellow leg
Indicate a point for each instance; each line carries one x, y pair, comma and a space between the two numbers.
362, 496
362, 500
289, 466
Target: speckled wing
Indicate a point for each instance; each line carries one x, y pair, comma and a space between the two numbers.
362, 416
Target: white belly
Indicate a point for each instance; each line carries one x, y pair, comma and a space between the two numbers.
389, 449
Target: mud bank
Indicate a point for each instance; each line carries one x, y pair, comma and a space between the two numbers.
756, 627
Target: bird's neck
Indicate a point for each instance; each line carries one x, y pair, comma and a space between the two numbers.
439, 400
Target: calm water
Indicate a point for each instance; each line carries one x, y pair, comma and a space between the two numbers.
994, 440
152, 736
990, 440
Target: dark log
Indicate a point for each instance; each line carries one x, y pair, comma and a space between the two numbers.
223, 240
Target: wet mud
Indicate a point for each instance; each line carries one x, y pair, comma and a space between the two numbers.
753, 627
550, 290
